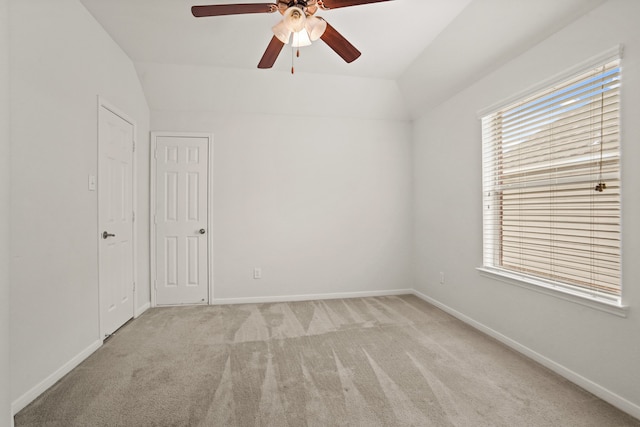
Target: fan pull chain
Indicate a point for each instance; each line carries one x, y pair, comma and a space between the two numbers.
297, 55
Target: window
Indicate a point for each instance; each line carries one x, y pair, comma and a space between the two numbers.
551, 184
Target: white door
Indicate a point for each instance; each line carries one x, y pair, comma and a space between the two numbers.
181, 219
115, 219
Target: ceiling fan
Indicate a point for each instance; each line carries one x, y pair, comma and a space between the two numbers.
299, 24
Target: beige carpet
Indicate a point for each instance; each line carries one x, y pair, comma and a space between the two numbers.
388, 361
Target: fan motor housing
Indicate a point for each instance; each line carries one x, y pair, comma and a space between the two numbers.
309, 7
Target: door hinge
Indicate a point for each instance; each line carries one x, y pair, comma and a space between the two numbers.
133, 216
134, 286
134, 146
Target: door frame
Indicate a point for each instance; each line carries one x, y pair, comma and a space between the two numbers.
104, 104
152, 208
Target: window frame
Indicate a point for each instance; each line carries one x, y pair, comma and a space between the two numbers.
613, 305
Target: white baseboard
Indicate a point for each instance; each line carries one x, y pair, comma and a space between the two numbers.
138, 311
596, 389
309, 297
21, 402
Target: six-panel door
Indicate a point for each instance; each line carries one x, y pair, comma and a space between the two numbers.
181, 220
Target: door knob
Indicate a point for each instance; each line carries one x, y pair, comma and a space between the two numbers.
202, 231
106, 235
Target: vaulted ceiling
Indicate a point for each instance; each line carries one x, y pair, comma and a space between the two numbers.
432, 48
390, 34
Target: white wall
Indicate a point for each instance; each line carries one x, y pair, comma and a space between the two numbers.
5, 397
322, 208
317, 97
601, 349
61, 60
312, 177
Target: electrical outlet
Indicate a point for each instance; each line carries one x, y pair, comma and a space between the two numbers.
442, 278
257, 273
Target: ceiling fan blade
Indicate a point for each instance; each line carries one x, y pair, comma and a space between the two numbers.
233, 9
340, 45
335, 4
271, 54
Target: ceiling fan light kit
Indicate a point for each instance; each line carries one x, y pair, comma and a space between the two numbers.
298, 26
287, 30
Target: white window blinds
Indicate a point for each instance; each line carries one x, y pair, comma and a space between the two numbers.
551, 182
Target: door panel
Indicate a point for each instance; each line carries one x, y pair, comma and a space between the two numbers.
115, 217
180, 220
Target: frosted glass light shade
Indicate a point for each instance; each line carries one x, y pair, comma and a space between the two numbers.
282, 32
315, 27
295, 19
301, 39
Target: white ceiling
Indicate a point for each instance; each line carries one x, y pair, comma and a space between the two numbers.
390, 35
430, 48
483, 37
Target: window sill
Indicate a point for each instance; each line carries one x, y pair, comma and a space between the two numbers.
584, 299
